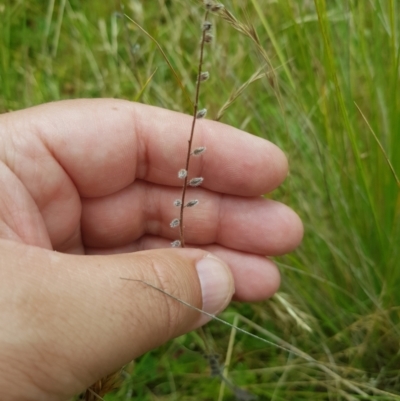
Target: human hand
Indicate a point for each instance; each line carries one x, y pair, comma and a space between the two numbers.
98, 178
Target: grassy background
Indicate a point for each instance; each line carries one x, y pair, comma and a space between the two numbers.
330, 98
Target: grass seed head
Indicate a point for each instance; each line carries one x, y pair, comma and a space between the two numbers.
174, 223
207, 25
176, 244
209, 4
198, 151
217, 7
208, 37
201, 113
192, 203
182, 173
195, 182
204, 76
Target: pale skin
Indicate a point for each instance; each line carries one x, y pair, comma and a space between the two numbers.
87, 191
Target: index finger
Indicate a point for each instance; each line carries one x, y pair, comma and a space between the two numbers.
105, 144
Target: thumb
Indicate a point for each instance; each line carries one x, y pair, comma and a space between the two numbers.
71, 319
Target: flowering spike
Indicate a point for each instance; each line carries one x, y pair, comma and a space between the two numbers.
195, 182
192, 203
199, 151
182, 173
176, 244
174, 223
201, 113
177, 202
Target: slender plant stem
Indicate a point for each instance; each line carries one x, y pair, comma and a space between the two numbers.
195, 109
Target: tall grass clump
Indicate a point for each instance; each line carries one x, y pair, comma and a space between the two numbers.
320, 79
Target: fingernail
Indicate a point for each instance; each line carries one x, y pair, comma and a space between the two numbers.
217, 285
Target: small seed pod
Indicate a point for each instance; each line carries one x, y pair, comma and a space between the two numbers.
207, 25
192, 203
216, 7
201, 113
199, 151
204, 76
176, 244
182, 173
195, 182
208, 37
208, 4
174, 223
177, 202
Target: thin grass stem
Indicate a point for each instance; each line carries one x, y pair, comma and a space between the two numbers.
165, 57
380, 145
275, 343
195, 117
